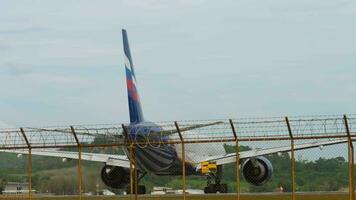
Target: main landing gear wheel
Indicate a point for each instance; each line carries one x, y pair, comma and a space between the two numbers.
214, 188
218, 186
141, 189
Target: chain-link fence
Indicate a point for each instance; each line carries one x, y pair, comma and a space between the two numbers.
292, 158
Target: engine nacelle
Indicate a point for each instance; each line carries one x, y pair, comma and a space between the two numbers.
257, 171
115, 177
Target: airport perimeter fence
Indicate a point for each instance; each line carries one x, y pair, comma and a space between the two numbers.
314, 154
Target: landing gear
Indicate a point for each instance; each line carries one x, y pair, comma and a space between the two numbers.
141, 189
214, 188
217, 186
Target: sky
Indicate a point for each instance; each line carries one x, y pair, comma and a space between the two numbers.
62, 63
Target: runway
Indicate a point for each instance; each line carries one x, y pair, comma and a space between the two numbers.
243, 196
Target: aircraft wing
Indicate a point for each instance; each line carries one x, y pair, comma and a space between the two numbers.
120, 136
231, 158
109, 159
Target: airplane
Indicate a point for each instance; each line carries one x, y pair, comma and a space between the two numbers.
166, 159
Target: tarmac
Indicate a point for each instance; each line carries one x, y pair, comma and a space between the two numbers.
231, 196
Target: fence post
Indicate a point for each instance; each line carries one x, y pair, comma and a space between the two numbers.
135, 169
29, 163
80, 173
131, 158
183, 158
237, 160
131, 171
292, 156
351, 159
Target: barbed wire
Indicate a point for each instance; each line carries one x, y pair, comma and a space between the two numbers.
193, 131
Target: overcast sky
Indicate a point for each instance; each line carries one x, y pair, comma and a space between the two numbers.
61, 62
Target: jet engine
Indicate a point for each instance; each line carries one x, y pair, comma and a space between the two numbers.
115, 177
257, 171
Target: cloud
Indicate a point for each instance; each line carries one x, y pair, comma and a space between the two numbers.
206, 59
55, 80
22, 30
14, 69
4, 125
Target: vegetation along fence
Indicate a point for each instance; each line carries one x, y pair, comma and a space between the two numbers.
290, 157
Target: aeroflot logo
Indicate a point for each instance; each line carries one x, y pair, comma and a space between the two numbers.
132, 89
131, 80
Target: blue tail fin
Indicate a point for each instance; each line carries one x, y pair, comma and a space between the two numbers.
136, 115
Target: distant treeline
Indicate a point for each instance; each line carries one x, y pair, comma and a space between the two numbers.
53, 176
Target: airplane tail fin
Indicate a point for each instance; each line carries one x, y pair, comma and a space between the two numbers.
135, 108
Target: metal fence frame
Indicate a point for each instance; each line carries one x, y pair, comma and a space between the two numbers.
132, 145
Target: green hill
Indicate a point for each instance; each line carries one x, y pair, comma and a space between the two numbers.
54, 176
